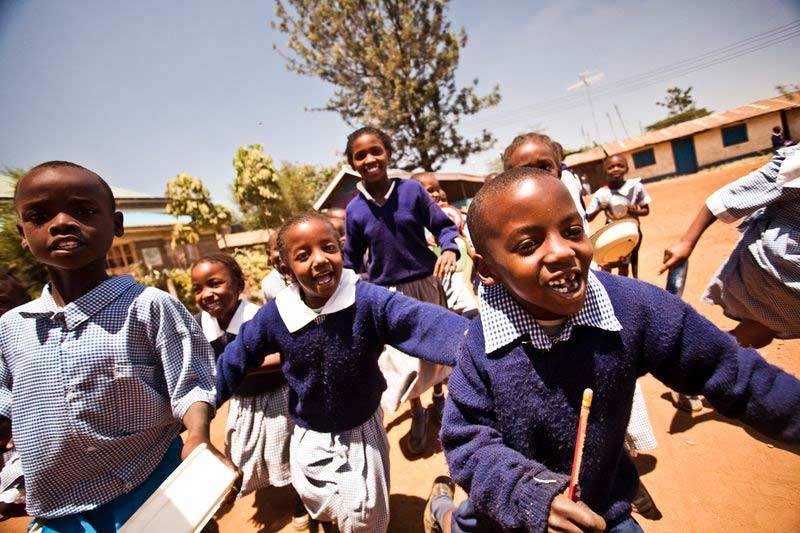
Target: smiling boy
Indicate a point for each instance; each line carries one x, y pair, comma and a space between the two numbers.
549, 328
98, 373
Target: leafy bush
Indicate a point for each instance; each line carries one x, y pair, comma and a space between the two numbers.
255, 265
176, 281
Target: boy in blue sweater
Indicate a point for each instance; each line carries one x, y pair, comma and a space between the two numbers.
99, 372
330, 328
549, 328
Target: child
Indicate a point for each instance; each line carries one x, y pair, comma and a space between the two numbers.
329, 329
634, 196
337, 217
389, 217
12, 483
98, 373
273, 283
767, 255
549, 328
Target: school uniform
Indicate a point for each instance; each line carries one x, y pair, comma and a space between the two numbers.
339, 451
394, 234
258, 428
761, 279
511, 417
272, 284
96, 391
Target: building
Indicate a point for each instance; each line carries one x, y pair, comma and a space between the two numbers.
695, 144
148, 233
460, 188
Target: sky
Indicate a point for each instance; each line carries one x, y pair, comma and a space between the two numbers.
141, 91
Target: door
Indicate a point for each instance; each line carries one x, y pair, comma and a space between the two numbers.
685, 156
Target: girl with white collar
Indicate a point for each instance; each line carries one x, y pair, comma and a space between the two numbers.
258, 429
330, 328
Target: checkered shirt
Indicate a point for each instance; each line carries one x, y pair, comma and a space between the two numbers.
96, 390
504, 320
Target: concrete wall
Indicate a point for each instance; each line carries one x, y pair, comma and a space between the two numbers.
793, 118
708, 144
665, 162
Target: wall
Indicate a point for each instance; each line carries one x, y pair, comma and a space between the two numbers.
665, 162
708, 144
793, 117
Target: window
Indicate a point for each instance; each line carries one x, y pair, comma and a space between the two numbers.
734, 134
645, 158
120, 258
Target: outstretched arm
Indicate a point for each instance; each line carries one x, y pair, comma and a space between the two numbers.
681, 250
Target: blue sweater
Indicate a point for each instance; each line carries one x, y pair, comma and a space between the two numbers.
395, 234
511, 416
331, 364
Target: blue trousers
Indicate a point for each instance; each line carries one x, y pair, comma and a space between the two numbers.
464, 520
110, 516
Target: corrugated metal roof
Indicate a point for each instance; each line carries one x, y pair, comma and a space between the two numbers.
243, 238
684, 129
7, 191
135, 218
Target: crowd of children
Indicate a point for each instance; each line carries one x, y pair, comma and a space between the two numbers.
366, 308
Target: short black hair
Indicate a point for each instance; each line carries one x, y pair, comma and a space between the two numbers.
61, 164
386, 140
230, 265
776, 129
532, 136
482, 207
299, 219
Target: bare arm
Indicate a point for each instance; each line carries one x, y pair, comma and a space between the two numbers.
271, 364
681, 250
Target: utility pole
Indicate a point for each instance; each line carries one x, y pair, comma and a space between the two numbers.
613, 131
584, 80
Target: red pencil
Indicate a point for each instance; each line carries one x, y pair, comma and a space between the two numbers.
586, 404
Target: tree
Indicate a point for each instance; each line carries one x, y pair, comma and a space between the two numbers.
393, 66
788, 90
255, 187
689, 114
300, 185
13, 256
678, 100
189, 197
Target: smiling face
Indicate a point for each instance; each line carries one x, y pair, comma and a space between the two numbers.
312, 257
616, 168
215, 290
66, 218
370, 158
535, 246
431, 184
533, 154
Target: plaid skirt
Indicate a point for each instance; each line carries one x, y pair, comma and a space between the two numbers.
257, 436
408, 377
344, 477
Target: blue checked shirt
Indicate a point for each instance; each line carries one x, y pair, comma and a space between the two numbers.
504, 320
96, 390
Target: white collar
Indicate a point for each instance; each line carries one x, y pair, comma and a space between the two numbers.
296, 314
627, 186
368, 196
210, 325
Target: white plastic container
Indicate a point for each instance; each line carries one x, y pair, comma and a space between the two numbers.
187, 499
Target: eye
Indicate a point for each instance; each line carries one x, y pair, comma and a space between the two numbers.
330, 248
300, 257
526, 247
574, 232
196, 288
86, 211
34, 217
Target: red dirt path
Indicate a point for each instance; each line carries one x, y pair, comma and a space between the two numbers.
708, 474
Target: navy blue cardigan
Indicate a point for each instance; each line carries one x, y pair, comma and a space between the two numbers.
395, 234
511, 416
331, 364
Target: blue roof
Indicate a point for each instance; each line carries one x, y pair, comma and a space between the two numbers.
140, 218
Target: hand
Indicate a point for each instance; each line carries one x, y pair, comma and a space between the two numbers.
675, 255
602, 206
566, 515
446, 264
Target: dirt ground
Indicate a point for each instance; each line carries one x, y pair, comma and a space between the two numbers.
709, 473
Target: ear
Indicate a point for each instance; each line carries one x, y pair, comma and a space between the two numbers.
119, 228
25, 245
287, 272
485, 272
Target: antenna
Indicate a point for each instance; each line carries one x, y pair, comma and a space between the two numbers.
585, 79
613, 131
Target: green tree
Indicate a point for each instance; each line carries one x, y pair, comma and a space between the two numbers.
300, 185
689, 114
393, 65
255, 187
12, 256
678, 100
189, 197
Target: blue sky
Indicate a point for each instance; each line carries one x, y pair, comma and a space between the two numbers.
140, 91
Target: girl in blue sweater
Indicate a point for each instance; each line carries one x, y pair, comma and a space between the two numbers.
330, 329
549, 328
388, 218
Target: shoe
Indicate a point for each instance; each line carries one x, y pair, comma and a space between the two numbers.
438, 406
418, 436
441, 485
642, 503
689, 404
